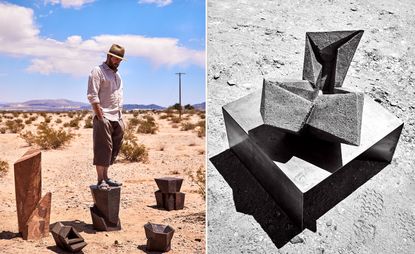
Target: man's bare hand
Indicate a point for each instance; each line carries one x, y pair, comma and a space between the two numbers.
98, 111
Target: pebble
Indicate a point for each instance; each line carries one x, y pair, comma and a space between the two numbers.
329, 223
216, 75
378, 100
296, 240
353, 9
231, 82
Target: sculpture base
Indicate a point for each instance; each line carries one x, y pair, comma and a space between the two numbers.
170, 201
99, 223
304, 175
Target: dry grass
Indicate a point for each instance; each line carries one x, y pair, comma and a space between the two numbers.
4, 168
15, 126
47, 137
148, 125
186, 126
199, 177
131, 150
88, 122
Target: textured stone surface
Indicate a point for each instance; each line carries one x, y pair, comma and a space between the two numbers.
337, 117
28, 185
37, 226
328, 56
283, 109
158, 237
169, 184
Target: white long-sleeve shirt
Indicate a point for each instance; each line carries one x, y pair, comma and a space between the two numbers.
105, 87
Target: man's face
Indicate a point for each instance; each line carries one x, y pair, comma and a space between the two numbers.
114, 62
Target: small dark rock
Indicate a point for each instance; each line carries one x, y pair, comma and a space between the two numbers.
378, 100
296, 240
198, 240
216, 75
231, 82
353, 9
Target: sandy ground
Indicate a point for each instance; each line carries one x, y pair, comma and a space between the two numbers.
68, 172
249, 40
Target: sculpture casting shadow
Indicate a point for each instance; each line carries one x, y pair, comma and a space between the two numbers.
250, 198
144, 249
80, 226
7, 235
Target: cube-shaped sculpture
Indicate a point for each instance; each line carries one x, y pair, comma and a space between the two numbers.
158, 237
67, 238
306, 175
33, 210
105, 212
169, 184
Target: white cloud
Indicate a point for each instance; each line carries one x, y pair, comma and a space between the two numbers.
19, 36
76, 4
159, 3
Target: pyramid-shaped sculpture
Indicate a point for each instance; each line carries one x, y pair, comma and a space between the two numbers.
33, 211
328, 56
310, 143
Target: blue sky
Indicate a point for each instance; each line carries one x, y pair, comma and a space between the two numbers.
49, 48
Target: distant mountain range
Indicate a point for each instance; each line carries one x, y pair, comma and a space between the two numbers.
67, 105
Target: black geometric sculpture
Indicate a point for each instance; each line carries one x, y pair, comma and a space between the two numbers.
328, 56
169, 196
158, 237
309, 160
105, 212
67, 238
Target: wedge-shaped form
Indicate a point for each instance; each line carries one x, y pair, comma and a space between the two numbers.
169, 184
337, 117
284, 109
328, 56
37, 226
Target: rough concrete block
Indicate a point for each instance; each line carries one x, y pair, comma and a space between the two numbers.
158, 237
283, 109
337, 118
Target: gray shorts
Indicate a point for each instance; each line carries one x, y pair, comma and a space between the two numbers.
107, 138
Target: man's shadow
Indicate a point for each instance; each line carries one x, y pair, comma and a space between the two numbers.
251, 198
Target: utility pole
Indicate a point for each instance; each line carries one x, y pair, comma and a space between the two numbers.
180, 92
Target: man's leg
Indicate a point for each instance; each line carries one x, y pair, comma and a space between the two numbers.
117, 136
102, 149
101, 173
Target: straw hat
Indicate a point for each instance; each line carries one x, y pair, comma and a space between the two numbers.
117, 51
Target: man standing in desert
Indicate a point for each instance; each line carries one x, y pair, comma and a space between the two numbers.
105, 93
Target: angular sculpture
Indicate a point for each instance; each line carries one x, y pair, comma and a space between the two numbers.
296, 107
105, 212
33, 212
309, 160
169, 196
67, 238
328, 56
158, 237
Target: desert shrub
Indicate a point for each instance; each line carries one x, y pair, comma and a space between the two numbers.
25, 115
175, 119
4, 168
15, 114
201, 130
188, 107
185, 126
147, 126
133, 122
15, 126
135, 113
58, 120
201, 114
164, 116
131, 150
149, 118
43, 114
47, 137
3, 130
74, 123
33, 118
88, 122
71, 114
199, 177
48, 119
